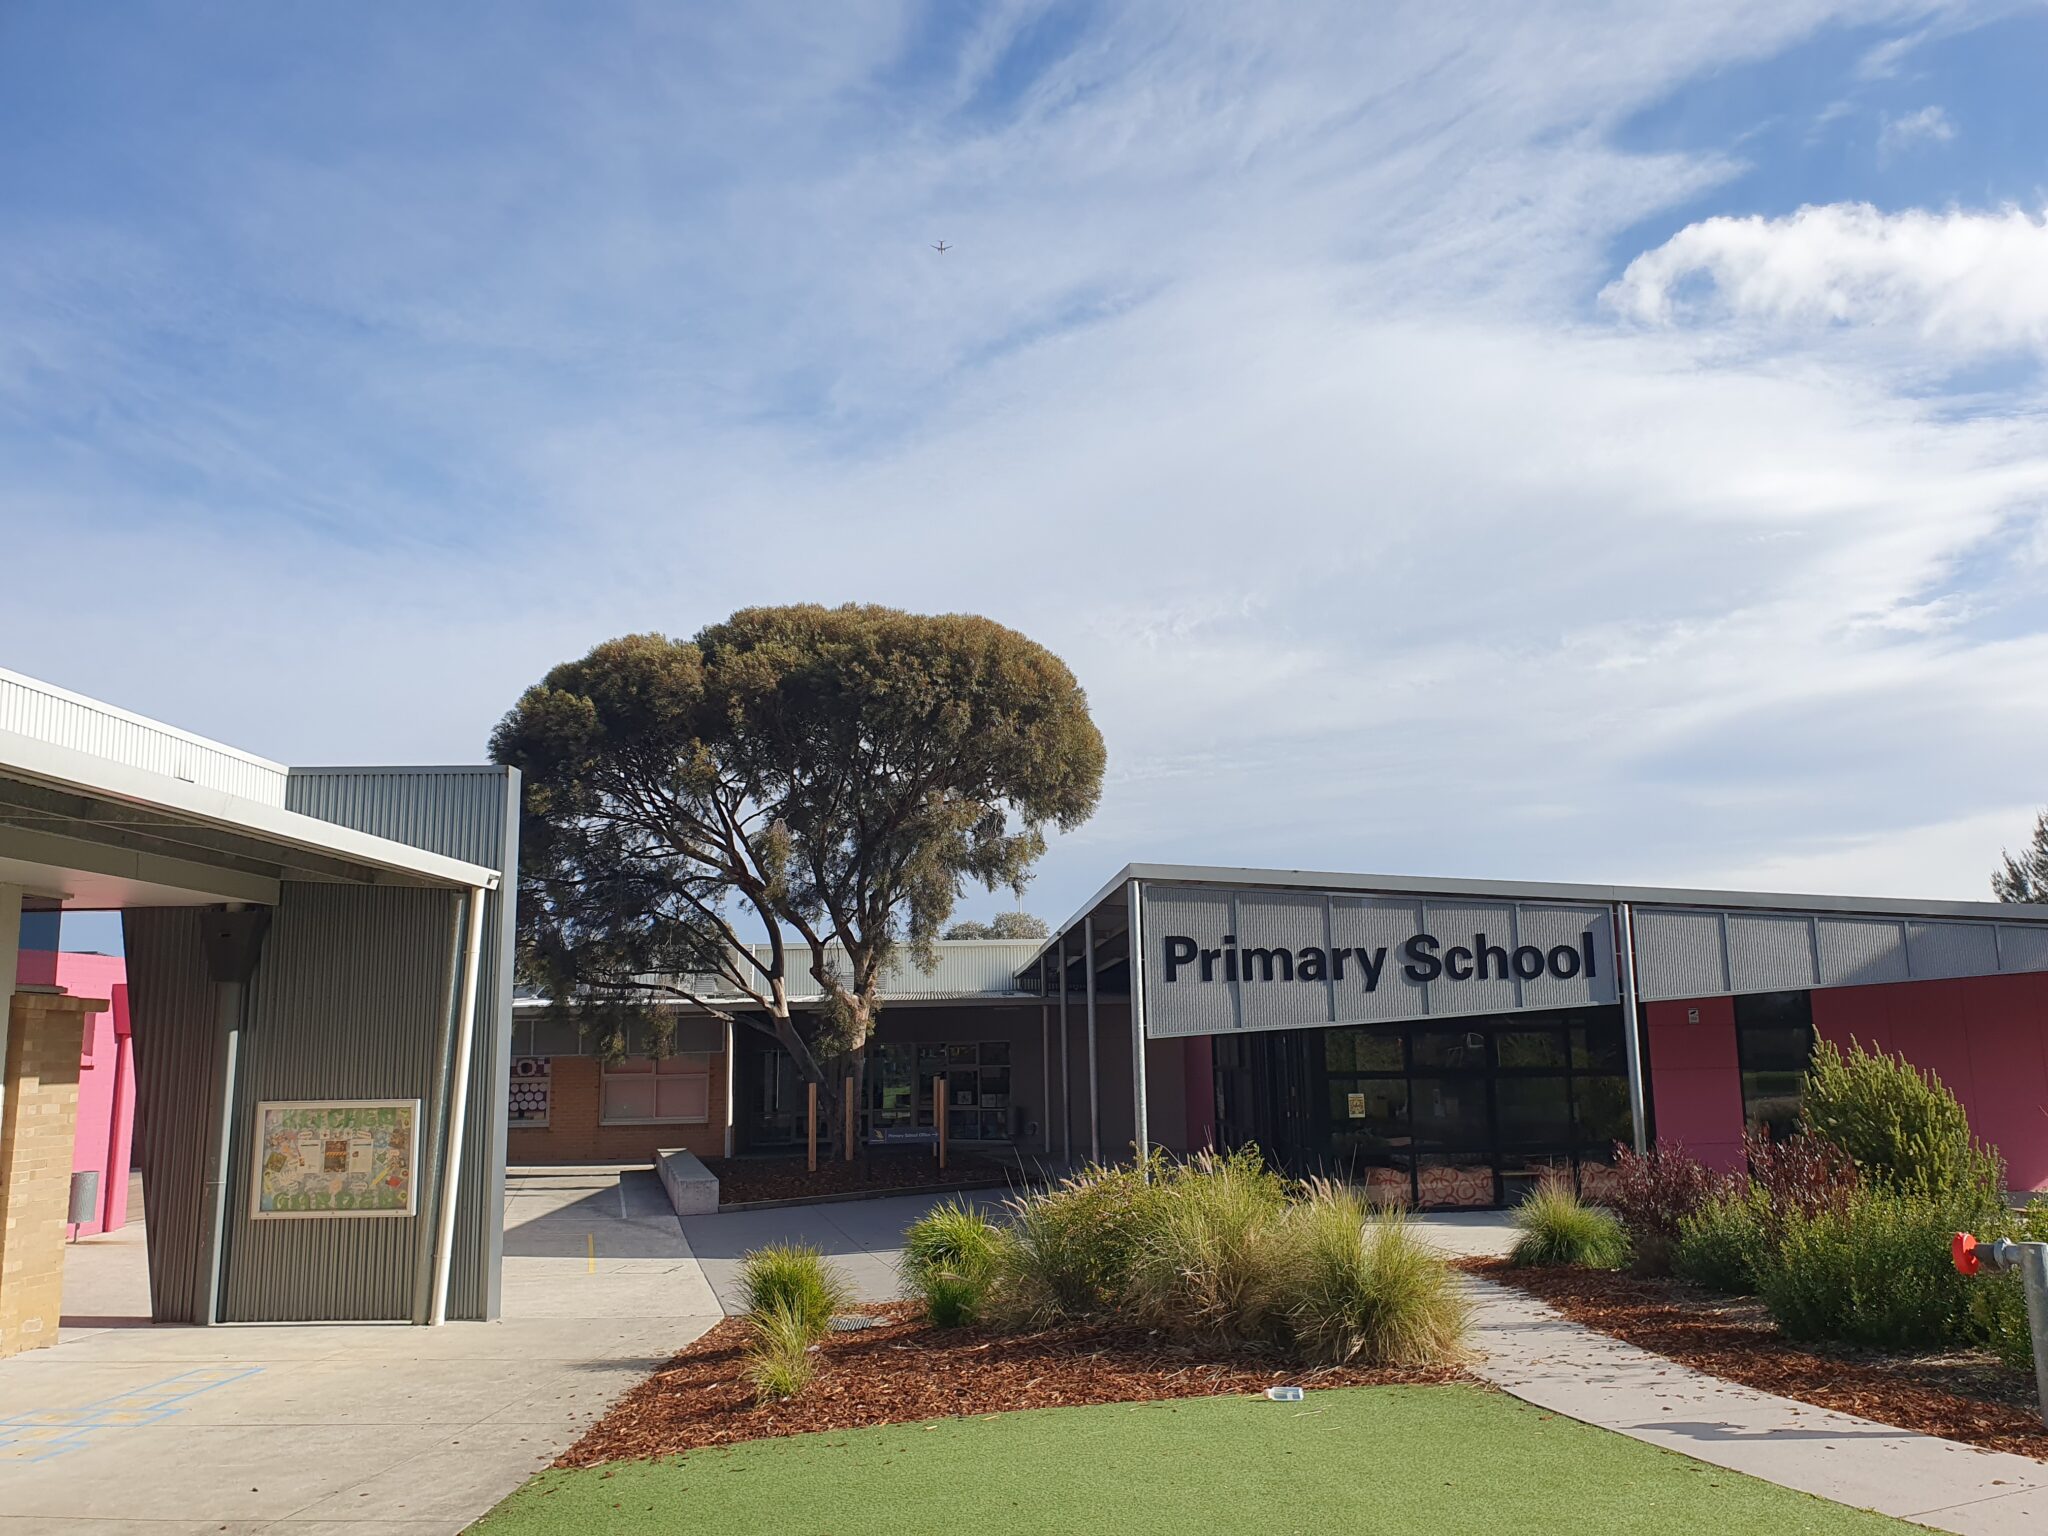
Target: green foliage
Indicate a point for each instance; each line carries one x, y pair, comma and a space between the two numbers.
779, 1341
2024, 878
842, 773
1652, 1193
1207, 1262
1876, 1272
1900, 1126
1556, 1227
951, 1258
1725, 1243
1072, 1245
1360, 1287
793, 1279
1004, 925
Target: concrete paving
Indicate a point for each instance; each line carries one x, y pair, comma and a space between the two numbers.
373, 1429
1533, 1352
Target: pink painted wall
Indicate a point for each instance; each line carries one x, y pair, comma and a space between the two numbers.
1986, 1037
106, 1077
1695, 1082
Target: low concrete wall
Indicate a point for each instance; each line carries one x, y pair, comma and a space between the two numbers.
692, 1188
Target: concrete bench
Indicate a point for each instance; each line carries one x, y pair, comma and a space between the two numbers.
692, 1188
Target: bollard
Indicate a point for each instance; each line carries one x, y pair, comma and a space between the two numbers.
2031, 1260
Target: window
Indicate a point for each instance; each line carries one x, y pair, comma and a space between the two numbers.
1773, 1044
643, 1091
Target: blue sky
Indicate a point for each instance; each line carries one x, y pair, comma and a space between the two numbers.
1553, 441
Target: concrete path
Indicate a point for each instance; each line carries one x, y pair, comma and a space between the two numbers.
370, 1429
1542, 1358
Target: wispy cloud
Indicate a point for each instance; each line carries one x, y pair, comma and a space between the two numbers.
1929, 125
1264, 382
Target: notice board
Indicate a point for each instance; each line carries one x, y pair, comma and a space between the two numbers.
334, 1158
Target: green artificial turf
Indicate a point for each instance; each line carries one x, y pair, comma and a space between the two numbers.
1440, 1460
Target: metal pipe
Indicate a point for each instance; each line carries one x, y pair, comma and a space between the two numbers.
1135, 928
1632, 1022
227, 1023
458, 1114
731, 1066
1066, 1065
1094, 1095
1045, 1061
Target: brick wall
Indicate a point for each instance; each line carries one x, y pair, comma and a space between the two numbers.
573, 1133
44, 1033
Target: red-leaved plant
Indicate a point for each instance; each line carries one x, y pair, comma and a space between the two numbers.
1652, 1191
1802, 1175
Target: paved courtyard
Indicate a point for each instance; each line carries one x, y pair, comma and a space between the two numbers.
369, 1429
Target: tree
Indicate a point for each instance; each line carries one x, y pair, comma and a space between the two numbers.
832, 777
2025, 878
1004, 925
645, 845
906, 755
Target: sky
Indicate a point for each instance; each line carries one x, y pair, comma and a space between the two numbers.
1570, 442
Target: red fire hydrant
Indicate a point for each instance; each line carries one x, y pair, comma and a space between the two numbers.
2031, 1260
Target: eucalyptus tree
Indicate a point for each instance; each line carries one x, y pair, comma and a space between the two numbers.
798, 790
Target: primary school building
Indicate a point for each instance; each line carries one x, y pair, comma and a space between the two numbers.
1445, 1042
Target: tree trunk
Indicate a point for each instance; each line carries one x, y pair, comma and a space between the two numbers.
859, 1067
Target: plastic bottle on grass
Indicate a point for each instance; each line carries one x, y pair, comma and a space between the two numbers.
1284, 1394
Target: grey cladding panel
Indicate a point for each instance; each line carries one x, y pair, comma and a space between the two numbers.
1770, 953
1271, 933
1678, 954
1308, 958
1373, 924
2022, 948
1475, 926
1937, 950
1857, 952
1551, 928
1187, 1006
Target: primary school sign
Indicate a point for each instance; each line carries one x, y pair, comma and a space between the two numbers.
1220, 960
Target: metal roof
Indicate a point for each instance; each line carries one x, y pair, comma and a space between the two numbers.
61, 794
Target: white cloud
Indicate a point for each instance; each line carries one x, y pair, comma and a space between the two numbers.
1970, 281
1929, 125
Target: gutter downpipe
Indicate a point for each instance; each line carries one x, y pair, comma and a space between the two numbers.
1066, 1066
1045, 1050
1632, 1017
1134, 927
1094, 1098
458, 1113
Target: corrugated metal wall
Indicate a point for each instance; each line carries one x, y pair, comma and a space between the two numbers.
171, 1001
351, 1000
1697, 952
64, 719
469, 813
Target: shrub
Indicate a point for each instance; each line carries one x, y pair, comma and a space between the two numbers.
1899, 1124
1799, 1176
1652, 1192
796, 1280
1876, 1272
951, 1258
1206, 1264
1362, 1287
778, 1351
1557, 1228
1724, 1244
1071, 1246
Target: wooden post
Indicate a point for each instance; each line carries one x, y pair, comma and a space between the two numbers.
851, 1118
812, 1095
939, 1107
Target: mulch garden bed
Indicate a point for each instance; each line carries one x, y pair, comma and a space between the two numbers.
1962, 1395
883, 1170
903, 1370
